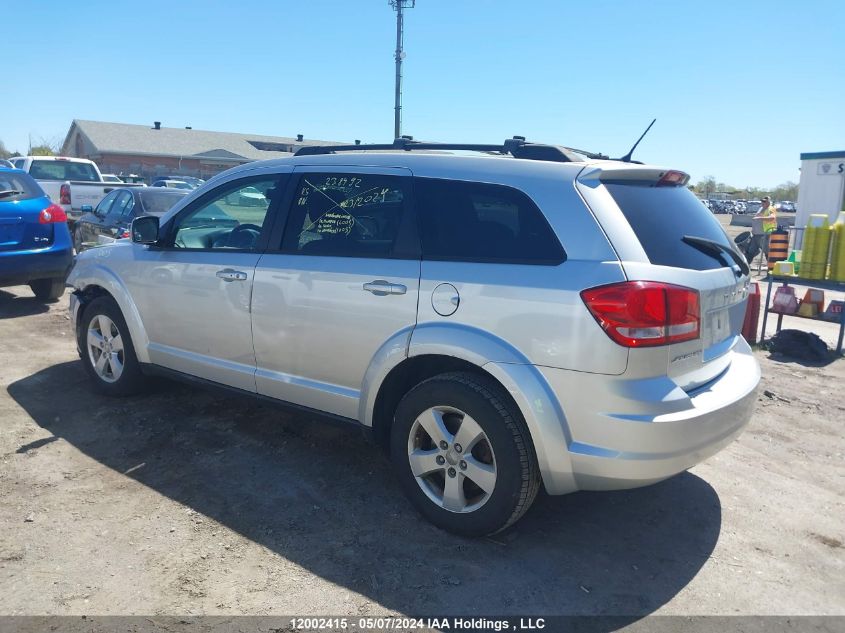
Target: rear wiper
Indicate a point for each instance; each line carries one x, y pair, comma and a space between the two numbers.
10, 192
715, 248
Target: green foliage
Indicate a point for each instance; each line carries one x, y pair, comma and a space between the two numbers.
41, 150
708, 186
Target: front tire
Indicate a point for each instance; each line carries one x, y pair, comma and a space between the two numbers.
48, 289
107, 351
463, 454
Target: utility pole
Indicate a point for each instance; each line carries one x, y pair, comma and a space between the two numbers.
399, 6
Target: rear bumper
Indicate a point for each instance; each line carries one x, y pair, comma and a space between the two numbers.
22, 267
630, 433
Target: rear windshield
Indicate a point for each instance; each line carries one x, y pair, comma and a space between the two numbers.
662, 216
159, 202
62, 170
18, 186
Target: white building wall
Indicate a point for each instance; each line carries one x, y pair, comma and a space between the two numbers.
821, 188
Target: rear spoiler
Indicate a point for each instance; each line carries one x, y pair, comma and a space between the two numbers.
655, 176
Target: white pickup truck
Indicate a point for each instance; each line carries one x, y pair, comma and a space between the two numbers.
73, 183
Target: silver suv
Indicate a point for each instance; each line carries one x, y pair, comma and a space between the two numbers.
495, 317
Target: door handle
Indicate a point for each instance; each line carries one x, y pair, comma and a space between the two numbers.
380, 287
227, 274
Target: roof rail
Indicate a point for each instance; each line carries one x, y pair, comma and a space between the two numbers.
516, 147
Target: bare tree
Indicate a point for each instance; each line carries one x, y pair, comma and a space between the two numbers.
47, 146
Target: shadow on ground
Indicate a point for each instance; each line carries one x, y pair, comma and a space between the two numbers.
324, 498
12, 305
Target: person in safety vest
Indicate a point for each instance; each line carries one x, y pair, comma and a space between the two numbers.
770, 223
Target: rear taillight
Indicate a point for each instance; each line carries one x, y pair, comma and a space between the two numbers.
125, 234
64, 194
52, 214
645, 313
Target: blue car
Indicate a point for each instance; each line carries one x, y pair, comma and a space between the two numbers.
35, 244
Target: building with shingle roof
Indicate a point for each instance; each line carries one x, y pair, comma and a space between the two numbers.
152, 151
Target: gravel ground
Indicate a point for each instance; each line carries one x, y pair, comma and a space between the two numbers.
185, 502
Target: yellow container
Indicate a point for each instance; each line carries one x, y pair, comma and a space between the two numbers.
784, 268
815, 248
837, 249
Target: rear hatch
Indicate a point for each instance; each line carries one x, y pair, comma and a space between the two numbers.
21, 203
683, 244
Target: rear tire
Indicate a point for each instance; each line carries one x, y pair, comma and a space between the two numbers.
77, 240
48, 289
474, 489
107, 351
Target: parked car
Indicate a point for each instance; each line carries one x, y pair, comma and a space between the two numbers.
111, 219
247, 197
6, 163
72, 183
132, 178
493, 322
35, 246
191, 180
786, 207
173, 184
110, 178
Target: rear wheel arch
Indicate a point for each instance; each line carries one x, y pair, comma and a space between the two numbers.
408, 374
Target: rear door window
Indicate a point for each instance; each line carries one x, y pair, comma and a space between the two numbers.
121, 202
104, 207
473, 221
662, 216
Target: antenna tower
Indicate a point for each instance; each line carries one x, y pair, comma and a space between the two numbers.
399, 6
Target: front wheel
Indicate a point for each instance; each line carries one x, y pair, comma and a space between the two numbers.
107, 350
48, 289
463, 454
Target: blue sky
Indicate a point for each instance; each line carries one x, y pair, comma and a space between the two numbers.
739, 89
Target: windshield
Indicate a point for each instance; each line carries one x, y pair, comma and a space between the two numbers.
159, 202
662, 216
62, 170
18, 186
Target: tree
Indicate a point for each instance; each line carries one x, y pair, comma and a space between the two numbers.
4, 153
706, 187
46, 146
786, 191
41, 150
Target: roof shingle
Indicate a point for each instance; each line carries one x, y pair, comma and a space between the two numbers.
124, 138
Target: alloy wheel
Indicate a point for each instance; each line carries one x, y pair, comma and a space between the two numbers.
452, 459
105, 348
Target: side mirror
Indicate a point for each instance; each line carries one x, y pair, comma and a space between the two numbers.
86, 208
145, 230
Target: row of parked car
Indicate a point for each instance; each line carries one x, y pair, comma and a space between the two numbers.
52, 206
77, 185
746, 206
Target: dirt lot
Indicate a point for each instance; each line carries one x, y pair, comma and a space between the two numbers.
185, 501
